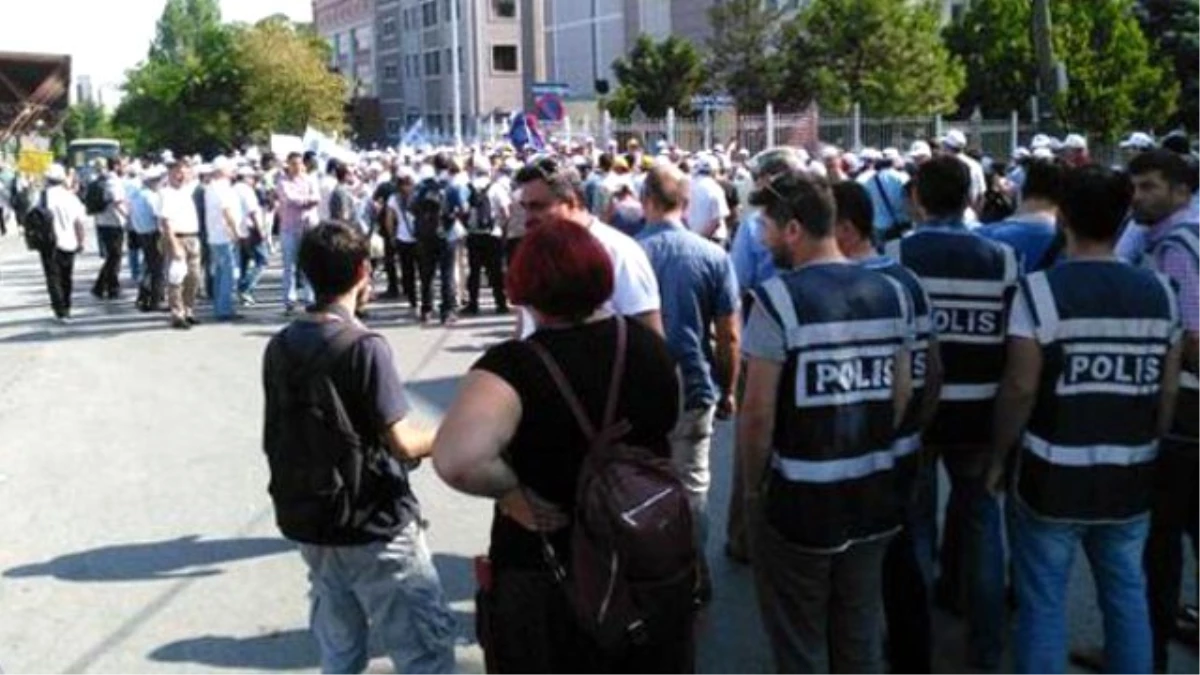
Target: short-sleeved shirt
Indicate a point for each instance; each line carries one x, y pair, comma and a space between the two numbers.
67, 210
547, 449
697, 286
220, 197
144, 208
114, 194
179, 210
707, 203
398, 205
1180, 266
751, 259
1027, 234
370, 388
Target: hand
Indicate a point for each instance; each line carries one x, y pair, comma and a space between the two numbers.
532, 512
726, 407
993, 482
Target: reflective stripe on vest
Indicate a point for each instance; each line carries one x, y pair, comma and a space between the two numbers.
1090, 455
833, 470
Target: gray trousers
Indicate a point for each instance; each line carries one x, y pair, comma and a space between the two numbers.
691, 443
822, 612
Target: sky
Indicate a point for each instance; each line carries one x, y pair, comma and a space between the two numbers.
106, 37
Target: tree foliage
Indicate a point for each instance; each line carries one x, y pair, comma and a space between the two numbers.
86, 119
744, 57
207, 87
657, 76
886, 55
993, 39
1173, 27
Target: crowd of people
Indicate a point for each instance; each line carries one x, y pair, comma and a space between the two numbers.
860, 317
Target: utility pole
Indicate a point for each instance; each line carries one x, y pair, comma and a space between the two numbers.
1043, 46
456, 74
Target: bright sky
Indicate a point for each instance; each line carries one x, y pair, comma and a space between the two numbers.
106, 37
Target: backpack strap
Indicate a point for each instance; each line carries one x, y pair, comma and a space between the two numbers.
346, 336
568, 392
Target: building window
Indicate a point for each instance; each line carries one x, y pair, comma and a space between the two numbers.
504, 9
504, 58
393, 126
429, 14
446, 11
433, 64
390, 72
389, 26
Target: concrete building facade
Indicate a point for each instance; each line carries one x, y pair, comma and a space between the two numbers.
349, 28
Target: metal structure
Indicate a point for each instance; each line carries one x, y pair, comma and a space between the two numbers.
34, 92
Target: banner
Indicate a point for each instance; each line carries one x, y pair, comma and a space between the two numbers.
34, 162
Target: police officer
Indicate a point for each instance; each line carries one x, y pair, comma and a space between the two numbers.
1089, 386
1163, 186
908, 563
968, 279
829, 377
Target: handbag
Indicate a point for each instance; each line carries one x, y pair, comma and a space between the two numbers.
176, 272
377, 246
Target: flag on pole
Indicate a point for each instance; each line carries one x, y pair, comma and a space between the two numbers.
524, 132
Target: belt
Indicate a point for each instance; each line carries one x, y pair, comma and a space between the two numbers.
187, 234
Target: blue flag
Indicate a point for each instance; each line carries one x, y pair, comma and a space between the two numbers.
524, 132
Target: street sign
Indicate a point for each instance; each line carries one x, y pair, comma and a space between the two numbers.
712, 102
549, 108
556, 88
34, 162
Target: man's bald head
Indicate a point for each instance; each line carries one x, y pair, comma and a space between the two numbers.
666, 188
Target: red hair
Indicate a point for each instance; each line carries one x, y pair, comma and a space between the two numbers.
561, 270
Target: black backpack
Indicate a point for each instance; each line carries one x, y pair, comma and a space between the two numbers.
327, 480
95, 198
481, 210
39, 226
430, 213
634, 564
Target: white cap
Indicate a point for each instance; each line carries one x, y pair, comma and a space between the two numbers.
222, 165
830, 152
955, 139
705, 164
817, 169
803, 155
247, 171
1043, 153
1138, 140
55, 173
891, 154
155, 172
920, 149
1074, 142
1040, 141
870, 154
1021, 153
743, 152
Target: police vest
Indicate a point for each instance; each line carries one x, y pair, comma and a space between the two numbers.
830, 482
1104, 328
969, 280
1184, 238
908, 435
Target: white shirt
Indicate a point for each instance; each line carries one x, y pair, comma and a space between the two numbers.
114, 188
978, 180
325, 187
67, 210
706, 203
219, 197
500, 200
635, 288
179, 210
248, 202
404, 231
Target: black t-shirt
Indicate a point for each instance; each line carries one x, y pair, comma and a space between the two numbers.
548, 447
371, 390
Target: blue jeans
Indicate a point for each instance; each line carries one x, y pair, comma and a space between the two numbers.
220, 266
1043, 552
908, 579
252, 262
389, 587
979, 520
292, 277
136, 256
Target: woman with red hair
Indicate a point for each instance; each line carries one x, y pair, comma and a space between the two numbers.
511, 436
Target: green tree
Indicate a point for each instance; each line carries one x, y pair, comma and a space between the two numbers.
1173, 27
744, 58
886, 55
659, 75
86, 120
993, 41
182, 26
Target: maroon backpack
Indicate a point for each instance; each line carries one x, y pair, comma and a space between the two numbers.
634, 562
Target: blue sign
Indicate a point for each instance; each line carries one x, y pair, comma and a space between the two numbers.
555, 88
712, 102
549, 108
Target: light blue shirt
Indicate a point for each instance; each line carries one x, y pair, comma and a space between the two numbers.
697, 285
144, 209
887, 191
751, 259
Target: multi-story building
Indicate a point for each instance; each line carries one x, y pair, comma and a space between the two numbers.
415, 47
349, 28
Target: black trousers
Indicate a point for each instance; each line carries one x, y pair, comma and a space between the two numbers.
484, 253
389, 263
59, 267
1172, 514
437, 255
151, 289
908, 579
406, 252
108, 283
510, 249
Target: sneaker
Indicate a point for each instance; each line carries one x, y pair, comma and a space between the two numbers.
192, 321
246, 299
97, 294
180, 324
63, 320
471, 310
449, 319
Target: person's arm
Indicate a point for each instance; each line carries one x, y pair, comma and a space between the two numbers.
902, 384
1169, 396
1014, 404
228, 214
409, 441
652, 320
756, 421
932, 392
728, 330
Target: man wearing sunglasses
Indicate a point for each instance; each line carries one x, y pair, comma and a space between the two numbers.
549, 191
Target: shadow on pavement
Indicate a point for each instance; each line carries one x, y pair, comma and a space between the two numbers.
283, 650
180, 558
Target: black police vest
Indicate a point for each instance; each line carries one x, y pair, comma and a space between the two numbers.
1185, 238
1104, 328
908, 435
969, 280
831, 480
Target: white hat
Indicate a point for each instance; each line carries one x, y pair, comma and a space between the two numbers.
817, 169
920, 149
851, 161
743, 152
705, 164
870, 154
55, 173
891, 154
247, 171
222, 165
1043, 153
204, 170
1075, 142
155, 172
955, 139
830, 152
803, 155
1021, 153
1138, 140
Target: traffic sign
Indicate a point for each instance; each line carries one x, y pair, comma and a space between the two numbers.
556, 88
712, 101
549, 108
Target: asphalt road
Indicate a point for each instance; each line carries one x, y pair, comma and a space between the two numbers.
137, 532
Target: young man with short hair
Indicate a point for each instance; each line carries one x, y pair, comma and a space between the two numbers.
366, 554
1089, 387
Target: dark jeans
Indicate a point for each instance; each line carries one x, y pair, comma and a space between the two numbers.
1172, 514
389, 262
484, 253
406, 251
108, 283
908, 580
151, 289
534, 630
510, 249
972, 554
59, 267
821, 611
437, 255
252, 262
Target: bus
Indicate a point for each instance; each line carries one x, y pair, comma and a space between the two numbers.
82, 151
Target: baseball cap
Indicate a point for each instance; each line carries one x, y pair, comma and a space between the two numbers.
1040, 141
955, 139
869, 154
55, 173
1138, 140
920, 149
774, 161
1075, 142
